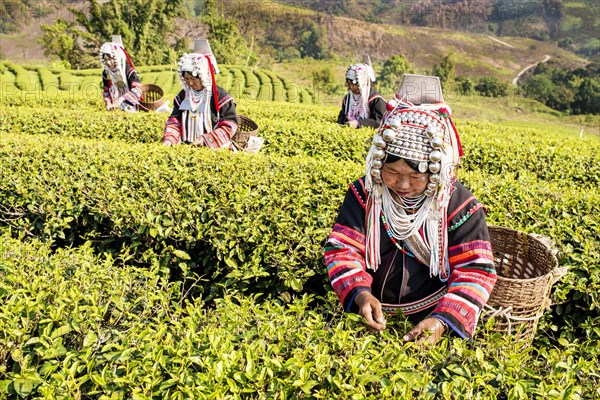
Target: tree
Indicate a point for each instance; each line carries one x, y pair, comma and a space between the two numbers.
144, 26
491, 86
63, 41
539, 87
325, 81
587, 98
226, 42
392, 71
464, 85
445, 70
312, 41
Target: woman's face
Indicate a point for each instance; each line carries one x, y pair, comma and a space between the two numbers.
353, 87
404, 180
109, 61
193, 81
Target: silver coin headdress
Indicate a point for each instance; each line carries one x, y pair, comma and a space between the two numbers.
426, 135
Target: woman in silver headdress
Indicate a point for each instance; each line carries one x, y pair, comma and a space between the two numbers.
362, 105
122, 86
203, 113
409, 237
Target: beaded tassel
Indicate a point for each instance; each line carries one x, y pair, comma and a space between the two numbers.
372, 255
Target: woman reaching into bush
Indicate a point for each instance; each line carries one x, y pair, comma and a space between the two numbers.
409, 237
203, 113
362, 105
122, 86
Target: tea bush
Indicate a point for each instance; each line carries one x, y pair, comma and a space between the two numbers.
252, 221
76, 325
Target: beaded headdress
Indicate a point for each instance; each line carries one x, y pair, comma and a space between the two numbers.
199, 65
117, 52
360, 74
426, 135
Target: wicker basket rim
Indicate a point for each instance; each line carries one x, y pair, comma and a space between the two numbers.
152, 86
247, 120
523, 280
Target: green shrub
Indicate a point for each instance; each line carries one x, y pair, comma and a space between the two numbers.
76, 325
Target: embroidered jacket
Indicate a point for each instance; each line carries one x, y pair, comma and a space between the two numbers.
377, 107
401, 281
131, 94
224, 122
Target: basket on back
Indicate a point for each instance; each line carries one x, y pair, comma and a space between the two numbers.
152, 97
246, 128
527, 268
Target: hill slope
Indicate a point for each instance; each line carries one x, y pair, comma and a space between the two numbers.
276, 28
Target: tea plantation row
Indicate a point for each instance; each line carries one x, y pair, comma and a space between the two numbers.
246, 220
241, 82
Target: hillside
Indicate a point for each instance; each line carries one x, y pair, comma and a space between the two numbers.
574, 24
273, 27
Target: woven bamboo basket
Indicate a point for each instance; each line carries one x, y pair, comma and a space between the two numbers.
152, 96
527, 268
246, 128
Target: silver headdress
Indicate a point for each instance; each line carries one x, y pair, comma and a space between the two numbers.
201, 63
425, 134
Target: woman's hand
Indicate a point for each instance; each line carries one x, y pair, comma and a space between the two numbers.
199, 142
427, 331
370, 309
352, 124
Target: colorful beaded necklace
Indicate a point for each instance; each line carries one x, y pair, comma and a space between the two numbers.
389, 233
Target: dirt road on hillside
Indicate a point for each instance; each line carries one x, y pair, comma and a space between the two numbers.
516, 80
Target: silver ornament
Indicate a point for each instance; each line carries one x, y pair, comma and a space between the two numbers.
395, 122
423, 166
434, 167
431, 130
429, 192
435, 178
377, 164
375, 172
379, 142
435, 156
389, 135
378, 154
437, 142
432, 186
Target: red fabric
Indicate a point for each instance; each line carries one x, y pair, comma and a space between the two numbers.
214, 83
128, 59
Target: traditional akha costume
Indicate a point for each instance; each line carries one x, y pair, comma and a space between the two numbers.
368, 107
122, 85
428, 255
208, 113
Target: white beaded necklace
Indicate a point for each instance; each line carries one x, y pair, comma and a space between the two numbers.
402, 224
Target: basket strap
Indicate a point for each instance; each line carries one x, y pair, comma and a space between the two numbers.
505, 313
558, 273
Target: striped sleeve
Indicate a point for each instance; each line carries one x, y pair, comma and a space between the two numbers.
345, 250
172, 132
135, 88
470, 255
226, 125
